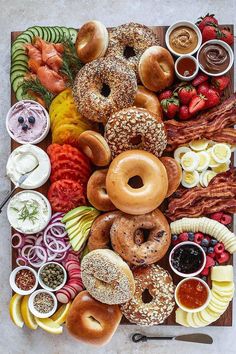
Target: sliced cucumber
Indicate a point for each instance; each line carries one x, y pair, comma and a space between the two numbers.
29, 34
15, 74
19, 62
61, 33
17, 67
66, 33
73, 34
17, 82
17, 52
25, 36
33, 31
17, 45
21, 57
45, 34
20, 95
49, 34
52, 34
57, 35
39, 30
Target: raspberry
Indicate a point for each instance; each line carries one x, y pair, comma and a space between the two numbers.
219, 248
198, 237
183, 237
226, 219
217, 216
223, 257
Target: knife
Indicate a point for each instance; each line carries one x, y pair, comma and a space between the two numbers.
194, 338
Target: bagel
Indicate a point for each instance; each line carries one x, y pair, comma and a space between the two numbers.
92, 322
129, 41
107, 277
95, 147
102, 87
96, 191
148, 171
135, 128
156, 68
152, 249
92, 41
148, 100
174, 173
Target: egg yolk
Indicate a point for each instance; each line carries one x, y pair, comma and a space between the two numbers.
220, 151
189, 177
187, 162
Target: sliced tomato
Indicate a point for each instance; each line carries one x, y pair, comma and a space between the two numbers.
54, 149
65, 173
65, 195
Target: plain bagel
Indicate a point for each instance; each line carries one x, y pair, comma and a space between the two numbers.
148, 100
174, 173
156, 68
92, 322
92, 41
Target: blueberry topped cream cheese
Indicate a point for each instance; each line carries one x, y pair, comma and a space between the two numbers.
27, 122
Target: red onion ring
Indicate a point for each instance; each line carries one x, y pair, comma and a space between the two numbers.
20, 261
43, 260
21, 241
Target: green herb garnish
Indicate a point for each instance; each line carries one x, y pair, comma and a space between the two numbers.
28, 211
35, 85
71, 62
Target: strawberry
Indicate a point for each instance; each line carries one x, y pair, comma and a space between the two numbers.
227, 36
203, 88
213, 98
203, 21
199, 79
170, 107
196, 104
205, 271
209, 262
220, 82
211, 31
184, 113
165, 94
186, 93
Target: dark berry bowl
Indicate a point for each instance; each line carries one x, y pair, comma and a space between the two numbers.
187, 259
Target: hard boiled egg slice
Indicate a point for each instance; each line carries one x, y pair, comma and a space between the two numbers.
204, 160
222, 167
190, 161
180, 151
212, 162
221, 152
206, 177
190, 179
199, 145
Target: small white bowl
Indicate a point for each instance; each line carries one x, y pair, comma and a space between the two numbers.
186, 78
44, 134
47, 287
33, 309
198, 308
225, 46
183, 275
13, 283
180, 24
11, 219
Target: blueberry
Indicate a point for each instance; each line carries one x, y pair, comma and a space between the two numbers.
205, 242
174, 237
204, 249
31, 120
213, 242
25, 127
21, 119
190, 236
210, 250
204, 278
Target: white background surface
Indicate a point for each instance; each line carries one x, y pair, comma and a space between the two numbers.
18, 15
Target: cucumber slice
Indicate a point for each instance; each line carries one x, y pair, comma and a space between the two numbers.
45, 34
19, 62
25, 36
39, 30
30, 34
20, 95
52, 34
57, 35
17, 52
17, 67
17, 45
61, 33
73, 34
15, 74
49, 34
17, 82
66, 33
21, 57
34, 31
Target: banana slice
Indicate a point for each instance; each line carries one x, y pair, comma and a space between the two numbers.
222, 273
212, 306
190, 161
225, 300
222, 167
180, 151
181, 317
190, 179
197, 321
225, 286
204, 160
221, 153
206, 177
199, 145
212, 162
189, 320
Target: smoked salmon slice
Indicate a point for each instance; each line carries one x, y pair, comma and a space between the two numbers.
33, 65
50, 55
51, 80
34, 53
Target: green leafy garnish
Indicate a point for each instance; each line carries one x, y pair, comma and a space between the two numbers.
28, 211
35, 85
71, 63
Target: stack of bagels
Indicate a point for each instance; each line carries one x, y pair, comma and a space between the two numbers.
124, 68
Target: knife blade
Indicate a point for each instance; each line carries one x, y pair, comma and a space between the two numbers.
195, 338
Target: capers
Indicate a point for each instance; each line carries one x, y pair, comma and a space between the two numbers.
52, 275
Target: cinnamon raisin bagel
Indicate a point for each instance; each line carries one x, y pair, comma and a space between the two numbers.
150, 251
102, 87
129, 41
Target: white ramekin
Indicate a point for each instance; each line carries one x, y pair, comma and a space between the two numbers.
47, 287
33, 309
13, 282
224, 45
198, 308
36, 141
186, 78
189, 275
180, 24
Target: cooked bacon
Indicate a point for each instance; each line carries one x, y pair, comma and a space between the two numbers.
225, 135
211, 122
219, 195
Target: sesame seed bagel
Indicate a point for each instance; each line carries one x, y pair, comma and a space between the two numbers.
160, 286
129, 41
135, 128
103, 87
107, 277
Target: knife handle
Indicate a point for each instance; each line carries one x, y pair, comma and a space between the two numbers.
138, 337
7, 198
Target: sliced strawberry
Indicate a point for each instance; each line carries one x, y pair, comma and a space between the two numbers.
183, 237
205, 271
220, 82
197, 104
199, 79
209, 262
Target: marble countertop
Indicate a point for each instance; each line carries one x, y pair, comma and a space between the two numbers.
18, 15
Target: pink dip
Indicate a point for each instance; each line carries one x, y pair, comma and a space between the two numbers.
26, 109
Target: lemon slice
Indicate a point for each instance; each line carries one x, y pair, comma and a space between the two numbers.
199, 145
180, 151
204, 160
206, 177
27, 316
212, 162
190, 161
60, 316
48, 325
222, 167
190, 179
15, 311
221, 153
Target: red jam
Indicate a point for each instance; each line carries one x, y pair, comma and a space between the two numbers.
186, 67
192, 294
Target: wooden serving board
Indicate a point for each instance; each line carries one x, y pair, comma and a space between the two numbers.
226, 318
